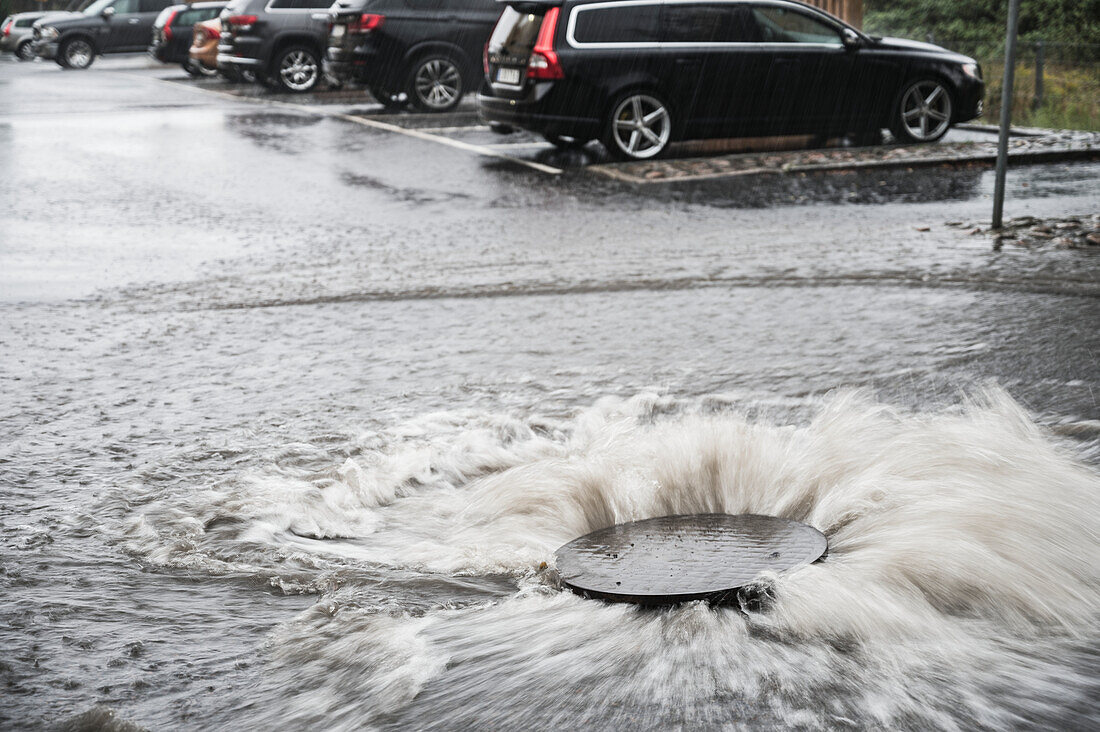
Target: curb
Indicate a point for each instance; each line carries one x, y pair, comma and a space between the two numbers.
984, 159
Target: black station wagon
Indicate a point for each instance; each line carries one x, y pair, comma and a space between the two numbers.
639, 74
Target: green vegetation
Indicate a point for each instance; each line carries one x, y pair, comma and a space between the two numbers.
1069, 29
979, 25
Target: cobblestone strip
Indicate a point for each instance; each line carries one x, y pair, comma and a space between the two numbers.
1050, 146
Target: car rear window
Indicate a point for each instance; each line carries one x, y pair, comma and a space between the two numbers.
707, 23
515, 32
195, 15
631, 24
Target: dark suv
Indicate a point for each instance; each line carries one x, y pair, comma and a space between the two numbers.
105, 26
638, 74
280, 40
425, 51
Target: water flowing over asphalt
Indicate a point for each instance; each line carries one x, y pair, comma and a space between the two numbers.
294, 411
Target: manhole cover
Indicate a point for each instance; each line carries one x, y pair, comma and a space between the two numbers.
681, 558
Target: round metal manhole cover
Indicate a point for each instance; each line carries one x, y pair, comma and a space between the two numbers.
682, 558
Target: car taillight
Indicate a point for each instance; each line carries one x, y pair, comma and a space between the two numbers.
210, 33
7, 28
365, 23
543, 63
241, 22
168, 25
485, 58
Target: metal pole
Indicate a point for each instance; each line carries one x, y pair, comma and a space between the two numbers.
1006, 113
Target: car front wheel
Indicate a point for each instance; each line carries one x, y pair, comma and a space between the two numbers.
435, 84
639, 128
297, 69
923, 112
76, 53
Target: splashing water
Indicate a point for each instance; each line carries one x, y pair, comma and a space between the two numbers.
961, 587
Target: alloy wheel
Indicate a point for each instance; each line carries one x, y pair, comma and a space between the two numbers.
926, 111
25, 52
298, 70
640, 126
438, 84
78, 53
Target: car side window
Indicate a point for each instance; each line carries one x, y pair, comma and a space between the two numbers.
706, 23
125, 6
784, 25
152, 6
630, 24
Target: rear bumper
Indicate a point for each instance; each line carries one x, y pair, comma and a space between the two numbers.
535, 113
11, 42
361, 64
160, 53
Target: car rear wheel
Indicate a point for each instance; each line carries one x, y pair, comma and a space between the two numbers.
25, 52
76, 53
436, 84
923, 112
297, 69
639, 128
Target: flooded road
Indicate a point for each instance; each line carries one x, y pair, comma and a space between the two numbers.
294, 408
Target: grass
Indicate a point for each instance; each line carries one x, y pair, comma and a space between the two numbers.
1071, 98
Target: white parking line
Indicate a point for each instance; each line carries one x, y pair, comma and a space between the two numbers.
421, 135
518, 145
446, 130
482, 150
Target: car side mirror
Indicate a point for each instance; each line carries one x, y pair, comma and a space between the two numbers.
107, 13
851, 39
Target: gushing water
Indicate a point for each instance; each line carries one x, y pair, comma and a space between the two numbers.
961, 587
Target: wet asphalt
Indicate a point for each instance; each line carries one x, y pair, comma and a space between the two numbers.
197, 281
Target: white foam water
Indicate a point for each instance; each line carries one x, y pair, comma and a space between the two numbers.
961, 586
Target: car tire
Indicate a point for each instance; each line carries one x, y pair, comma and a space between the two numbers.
392, 101
76, 53
638, 127
25, 51
435, 83
297, 69
923, 111
564, 142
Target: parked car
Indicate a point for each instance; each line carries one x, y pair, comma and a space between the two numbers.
423, 51
639, 74
279, 40
16, 35
204, 44
172, 33
105, 26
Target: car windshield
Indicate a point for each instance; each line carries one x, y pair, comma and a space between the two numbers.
97, 7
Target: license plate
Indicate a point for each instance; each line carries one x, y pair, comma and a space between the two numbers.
508, 76
338, 31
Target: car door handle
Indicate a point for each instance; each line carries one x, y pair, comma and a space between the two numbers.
133, 21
